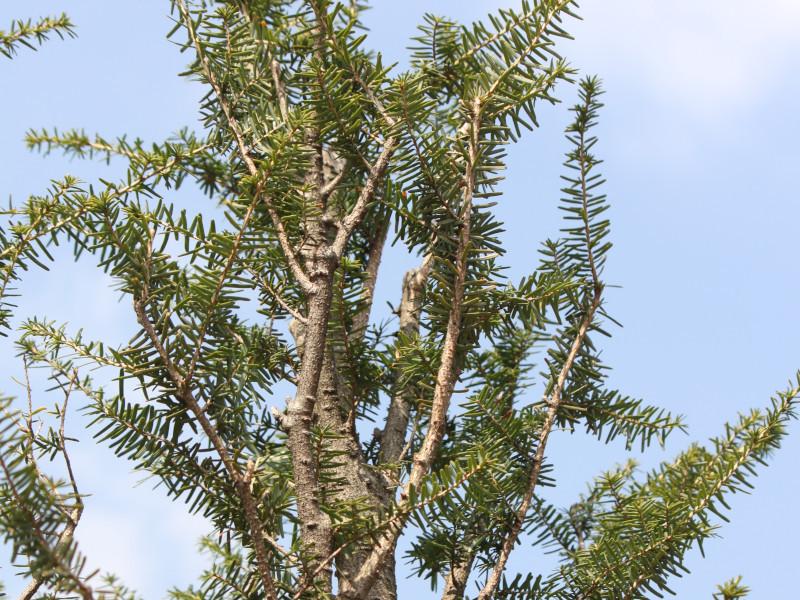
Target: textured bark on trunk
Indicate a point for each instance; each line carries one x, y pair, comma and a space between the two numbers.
356, 480
457, 578
315, 525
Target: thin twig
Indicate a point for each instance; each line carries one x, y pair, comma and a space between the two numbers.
280, 89
356, 76
66, 536
183, 392
374, 255
30, 409
222, 277
411, 437
533, 476
283, 238
63, 439
326, 191
532, 46
284, 305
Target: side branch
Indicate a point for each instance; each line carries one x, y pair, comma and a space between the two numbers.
237, 242
241, 482
356, 215
294, 264
64, 541
496, 36
447, 375
393, 436
448, 369
533, 476
746, 453
39, 228
374, 255
542, 31
368, 91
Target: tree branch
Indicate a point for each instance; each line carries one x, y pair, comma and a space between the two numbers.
530, 48
533, 476
65, 539
374, 255
280, 88
356, 215
315, 525
368, 91
446, 378
237, 242
291, 258
456, 582
272, 292
393, 436
448, 369
241, 483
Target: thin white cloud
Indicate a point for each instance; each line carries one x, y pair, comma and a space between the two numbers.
710, 58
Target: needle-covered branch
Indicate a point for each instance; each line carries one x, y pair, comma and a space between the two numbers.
182, 389
26, 33
241, 145
447, 375
553, 404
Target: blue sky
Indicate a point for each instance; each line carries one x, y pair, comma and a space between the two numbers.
699, 137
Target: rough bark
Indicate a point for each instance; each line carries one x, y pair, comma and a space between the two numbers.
446, 377
355, 481
349, 479
321, 262
315, 525
457, 578
321, 393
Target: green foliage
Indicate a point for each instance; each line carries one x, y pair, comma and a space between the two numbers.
39, 513
317, 154
732, 590
641, 528
27, 33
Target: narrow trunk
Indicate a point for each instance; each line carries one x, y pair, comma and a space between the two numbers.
350, 479
315, 525
457, 578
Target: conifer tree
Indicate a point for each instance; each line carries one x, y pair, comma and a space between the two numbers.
422, 424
